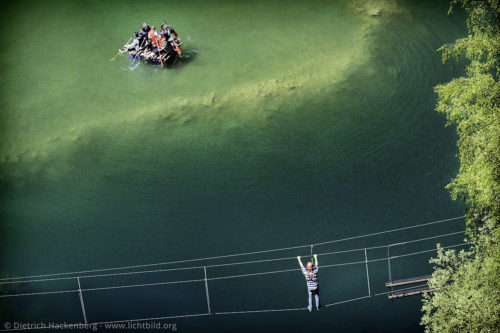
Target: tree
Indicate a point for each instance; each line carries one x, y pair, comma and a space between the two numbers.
467, 296
468, 292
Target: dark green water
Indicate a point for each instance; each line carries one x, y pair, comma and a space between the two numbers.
287, 123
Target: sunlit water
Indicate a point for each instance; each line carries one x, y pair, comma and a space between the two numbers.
284, 123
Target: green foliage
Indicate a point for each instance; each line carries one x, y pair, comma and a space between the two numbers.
468, 293
472, 103
482, 45
467, 283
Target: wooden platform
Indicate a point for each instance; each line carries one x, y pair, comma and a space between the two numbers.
409, 292
412, 280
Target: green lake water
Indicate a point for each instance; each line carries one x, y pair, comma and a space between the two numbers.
285, 123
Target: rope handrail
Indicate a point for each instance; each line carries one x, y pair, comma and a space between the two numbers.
417, 240
228, 264
41, 293
348, 300
418, 252
143, 285
237, 254
233, 276
150, 319
16, 280
389, 231
257, 311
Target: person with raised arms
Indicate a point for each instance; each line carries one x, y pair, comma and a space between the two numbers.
311, 274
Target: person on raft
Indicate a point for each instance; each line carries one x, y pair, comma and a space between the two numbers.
151, 44
168, 30
153, 35
148, 49
142, 35
166, 48
132, 46
146, 27
311, 274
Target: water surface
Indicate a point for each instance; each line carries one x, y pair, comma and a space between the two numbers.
285, 123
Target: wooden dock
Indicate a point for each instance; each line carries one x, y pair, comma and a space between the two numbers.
412, 280
410, 292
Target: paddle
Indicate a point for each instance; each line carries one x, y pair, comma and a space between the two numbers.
137, 52
158, 47
116, 56
176, 47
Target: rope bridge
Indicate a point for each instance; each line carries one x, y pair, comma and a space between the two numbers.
148, 269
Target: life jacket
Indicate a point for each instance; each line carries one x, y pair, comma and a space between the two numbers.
152, 35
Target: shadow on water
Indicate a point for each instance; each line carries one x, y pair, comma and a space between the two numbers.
186, 58
179, 62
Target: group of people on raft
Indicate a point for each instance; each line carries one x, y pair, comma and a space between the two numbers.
151, 44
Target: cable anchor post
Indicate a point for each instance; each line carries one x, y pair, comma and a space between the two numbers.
81, 300
367, 274
389, 265
206, 290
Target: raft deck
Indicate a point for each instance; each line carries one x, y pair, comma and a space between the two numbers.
144, 58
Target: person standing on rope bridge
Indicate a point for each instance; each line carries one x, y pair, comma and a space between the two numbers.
311, 274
